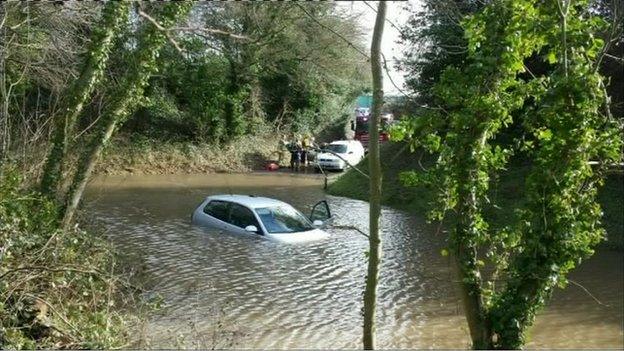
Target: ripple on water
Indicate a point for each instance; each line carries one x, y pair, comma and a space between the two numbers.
224, 290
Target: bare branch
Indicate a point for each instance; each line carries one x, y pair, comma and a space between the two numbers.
345, 161
196, 30
349, 227
613, 57
333, 31
588, 293
161, 28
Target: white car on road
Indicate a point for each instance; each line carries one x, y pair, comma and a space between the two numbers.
273, 219
334, 155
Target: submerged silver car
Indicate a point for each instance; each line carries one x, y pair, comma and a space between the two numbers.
273, 219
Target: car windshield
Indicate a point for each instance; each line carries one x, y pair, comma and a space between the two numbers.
283, 219
337, 148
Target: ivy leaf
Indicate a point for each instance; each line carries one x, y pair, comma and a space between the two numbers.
551, 57
545, 134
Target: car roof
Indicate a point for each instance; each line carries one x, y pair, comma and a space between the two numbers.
249, 200
343, 142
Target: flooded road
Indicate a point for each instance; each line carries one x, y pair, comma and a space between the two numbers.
225, 291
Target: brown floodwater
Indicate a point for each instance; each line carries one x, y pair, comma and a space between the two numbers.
227, 291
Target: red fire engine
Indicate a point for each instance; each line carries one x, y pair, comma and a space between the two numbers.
362, 121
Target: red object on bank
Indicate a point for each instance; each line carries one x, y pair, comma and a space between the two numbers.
271, 166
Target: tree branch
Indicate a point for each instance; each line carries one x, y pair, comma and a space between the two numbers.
211, 31
345, 161
161, 28
349, 227
334, 32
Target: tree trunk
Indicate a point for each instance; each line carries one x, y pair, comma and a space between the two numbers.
463, 240
374, 258
126, 98
114, 16
4, 98
465, 257
4, 111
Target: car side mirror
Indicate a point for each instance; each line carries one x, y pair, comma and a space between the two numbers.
317, 223
251, 229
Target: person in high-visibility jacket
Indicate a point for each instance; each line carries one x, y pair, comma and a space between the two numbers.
306, 145
295, 152
282, 146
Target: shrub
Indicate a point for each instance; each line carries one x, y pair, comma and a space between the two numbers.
57, 289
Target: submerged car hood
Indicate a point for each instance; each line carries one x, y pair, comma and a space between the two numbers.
299, 237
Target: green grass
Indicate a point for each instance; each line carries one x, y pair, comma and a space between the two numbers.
395, 159
507, 193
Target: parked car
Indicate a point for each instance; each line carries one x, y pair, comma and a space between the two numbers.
334, 155
270, 218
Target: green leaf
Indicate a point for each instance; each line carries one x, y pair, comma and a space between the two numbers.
551, 57
545, 134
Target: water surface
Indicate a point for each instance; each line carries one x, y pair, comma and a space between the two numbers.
225, 291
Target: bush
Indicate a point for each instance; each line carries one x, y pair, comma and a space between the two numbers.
57, 289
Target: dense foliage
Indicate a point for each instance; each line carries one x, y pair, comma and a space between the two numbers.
565, 122
280, 71
58, 289
236, 68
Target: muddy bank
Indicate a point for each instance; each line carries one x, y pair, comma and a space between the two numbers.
245, 154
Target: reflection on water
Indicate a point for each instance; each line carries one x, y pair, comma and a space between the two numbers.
225, 291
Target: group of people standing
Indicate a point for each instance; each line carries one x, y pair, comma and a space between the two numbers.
300, 149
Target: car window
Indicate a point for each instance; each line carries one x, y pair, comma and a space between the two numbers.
242, 217
218, 209
320, 211
283, 219
337, 148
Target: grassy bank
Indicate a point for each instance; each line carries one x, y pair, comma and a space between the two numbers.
149, 156
508, 192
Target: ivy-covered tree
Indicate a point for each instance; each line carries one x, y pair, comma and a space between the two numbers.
125, 98
114, 15
565, 123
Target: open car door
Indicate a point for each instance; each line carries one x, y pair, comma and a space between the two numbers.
321, 212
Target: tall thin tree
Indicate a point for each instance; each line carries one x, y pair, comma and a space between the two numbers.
374, 258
